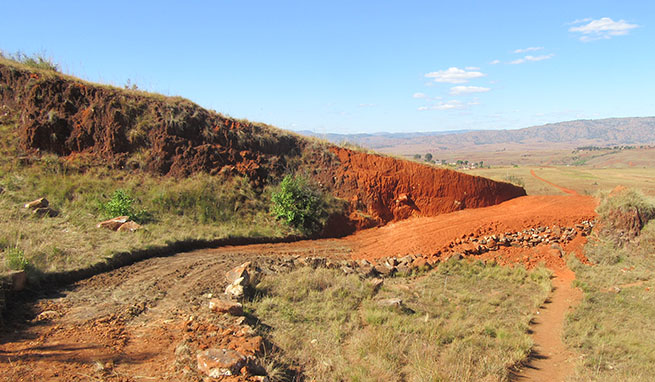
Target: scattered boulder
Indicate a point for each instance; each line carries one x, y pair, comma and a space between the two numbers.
217, 363
45, 211
391, 302
239, 272
38, 203
114, 224
376, 284
129, 226
240, 280
223, 306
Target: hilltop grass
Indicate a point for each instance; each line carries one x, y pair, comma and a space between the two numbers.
614, 325
463, 321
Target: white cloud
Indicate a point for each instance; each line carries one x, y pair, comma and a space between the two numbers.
580, 21
532, 59
494, 62
457, 90
604, 28
530, 49
419, 95
449, 105
472, 68
454, 75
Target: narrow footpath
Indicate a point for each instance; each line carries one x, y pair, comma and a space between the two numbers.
551, 360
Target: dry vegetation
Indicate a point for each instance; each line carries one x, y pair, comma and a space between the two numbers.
464, 321
196, 208
584, 180
614, 326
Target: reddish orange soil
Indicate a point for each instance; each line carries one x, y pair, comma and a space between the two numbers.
428, 236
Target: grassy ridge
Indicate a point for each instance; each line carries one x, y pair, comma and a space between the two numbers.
199, 207
614, 326
464, 321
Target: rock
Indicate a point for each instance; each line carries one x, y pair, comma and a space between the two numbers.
376, 284
385, 269
367, 271
420, 262
129, 226
223, 306
236, 290
38, 203
217, 363
239, 272
45, 211
47, 315
115, 223
391, 302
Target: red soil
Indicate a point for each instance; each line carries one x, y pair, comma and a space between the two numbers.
429, 236
387, 189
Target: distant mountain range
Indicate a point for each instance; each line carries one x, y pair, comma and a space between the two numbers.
600, 132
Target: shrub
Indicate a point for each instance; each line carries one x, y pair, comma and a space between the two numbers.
121, 204
299, 204
15, 259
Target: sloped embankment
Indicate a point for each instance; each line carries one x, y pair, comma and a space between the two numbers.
131, 130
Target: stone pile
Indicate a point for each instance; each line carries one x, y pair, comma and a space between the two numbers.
41, 207
471, 244
120, 224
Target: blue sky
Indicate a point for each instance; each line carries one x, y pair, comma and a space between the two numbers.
349, 67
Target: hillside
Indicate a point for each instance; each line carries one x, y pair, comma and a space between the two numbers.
562, 135
78, 127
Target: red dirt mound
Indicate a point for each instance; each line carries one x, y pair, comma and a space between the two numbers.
431, 237
387, 189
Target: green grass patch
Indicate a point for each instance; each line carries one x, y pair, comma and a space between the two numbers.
464, 321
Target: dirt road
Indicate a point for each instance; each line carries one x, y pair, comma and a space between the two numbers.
127, 324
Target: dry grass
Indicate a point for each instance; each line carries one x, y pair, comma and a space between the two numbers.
464, 321
200, 207
584, 180
613, 328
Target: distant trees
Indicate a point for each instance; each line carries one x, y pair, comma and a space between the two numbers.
428, 157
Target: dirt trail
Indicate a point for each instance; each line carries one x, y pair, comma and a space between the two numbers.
565, 190
125, 325
551, 360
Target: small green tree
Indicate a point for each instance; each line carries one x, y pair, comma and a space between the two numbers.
428, 157
299, 204
121, 204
